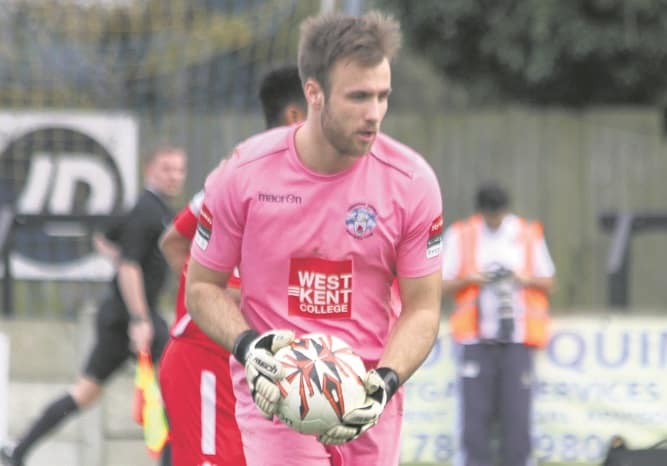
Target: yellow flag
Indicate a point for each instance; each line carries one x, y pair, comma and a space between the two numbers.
148, 408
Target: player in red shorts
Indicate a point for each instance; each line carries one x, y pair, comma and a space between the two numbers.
194, 371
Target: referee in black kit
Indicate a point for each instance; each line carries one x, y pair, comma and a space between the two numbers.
127, 319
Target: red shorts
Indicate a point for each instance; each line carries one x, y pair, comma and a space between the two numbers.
200, 404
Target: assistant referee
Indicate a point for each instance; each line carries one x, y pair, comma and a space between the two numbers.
127, 319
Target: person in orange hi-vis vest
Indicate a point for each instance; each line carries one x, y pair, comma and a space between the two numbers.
498, 270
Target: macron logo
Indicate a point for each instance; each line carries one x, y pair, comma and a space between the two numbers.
279, 198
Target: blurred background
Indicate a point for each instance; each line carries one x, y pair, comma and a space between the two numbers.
562, 102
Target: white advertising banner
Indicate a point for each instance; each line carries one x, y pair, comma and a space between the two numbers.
599, 377
65, 163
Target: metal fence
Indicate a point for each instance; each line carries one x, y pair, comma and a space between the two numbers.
172, 68
97, 83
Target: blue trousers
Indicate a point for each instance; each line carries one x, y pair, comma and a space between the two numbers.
495, 389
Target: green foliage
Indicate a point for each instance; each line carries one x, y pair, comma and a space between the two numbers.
144, 54
572, 52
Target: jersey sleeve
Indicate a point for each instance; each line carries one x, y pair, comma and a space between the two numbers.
544, 266
451, 256
217, 241
234, 279
139, 233
112, 232
185, 221
418, 252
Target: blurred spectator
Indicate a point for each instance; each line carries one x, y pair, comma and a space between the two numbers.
497, 267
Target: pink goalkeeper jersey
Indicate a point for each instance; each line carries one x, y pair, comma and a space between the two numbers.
318, 253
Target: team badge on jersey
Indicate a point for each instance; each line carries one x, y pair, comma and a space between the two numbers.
204, 227
434, 242
361, 220
320, 288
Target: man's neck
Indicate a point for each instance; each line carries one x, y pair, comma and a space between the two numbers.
153, 189
159, 194
316, 153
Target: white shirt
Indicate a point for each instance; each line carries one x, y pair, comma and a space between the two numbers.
500, 247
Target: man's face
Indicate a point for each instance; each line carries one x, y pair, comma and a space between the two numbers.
357, 102
166, 173
494, 219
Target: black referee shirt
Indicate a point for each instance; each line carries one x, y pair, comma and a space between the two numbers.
137, 235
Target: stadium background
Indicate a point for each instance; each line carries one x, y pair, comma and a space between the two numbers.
187, 72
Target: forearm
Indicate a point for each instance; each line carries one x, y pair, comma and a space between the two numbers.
105, 247
410, 341
545, 284
450, 287
175, 249
131, 284
215, 312
235, 294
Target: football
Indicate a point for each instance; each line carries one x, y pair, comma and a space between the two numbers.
323, 379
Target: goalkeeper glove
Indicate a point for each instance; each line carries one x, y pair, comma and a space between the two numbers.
256, 352
380, 385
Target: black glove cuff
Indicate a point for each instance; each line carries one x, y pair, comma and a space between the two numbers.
391, 382
242, 343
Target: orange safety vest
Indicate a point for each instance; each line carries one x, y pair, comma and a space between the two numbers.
464, 322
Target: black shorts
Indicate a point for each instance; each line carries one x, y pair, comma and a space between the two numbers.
112, 344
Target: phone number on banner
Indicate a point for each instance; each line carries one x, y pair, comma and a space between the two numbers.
441, 448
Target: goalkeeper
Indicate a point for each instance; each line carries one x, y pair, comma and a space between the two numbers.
321, 218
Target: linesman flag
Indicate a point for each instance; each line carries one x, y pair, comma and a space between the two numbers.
148, 408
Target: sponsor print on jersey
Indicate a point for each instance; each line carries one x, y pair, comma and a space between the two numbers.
361, 219
320, 288
204, 227
434, 242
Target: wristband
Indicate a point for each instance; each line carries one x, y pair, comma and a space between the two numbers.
241, 344
136, 318
391, 382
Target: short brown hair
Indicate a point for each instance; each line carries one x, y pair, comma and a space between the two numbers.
367, 39
158, 150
